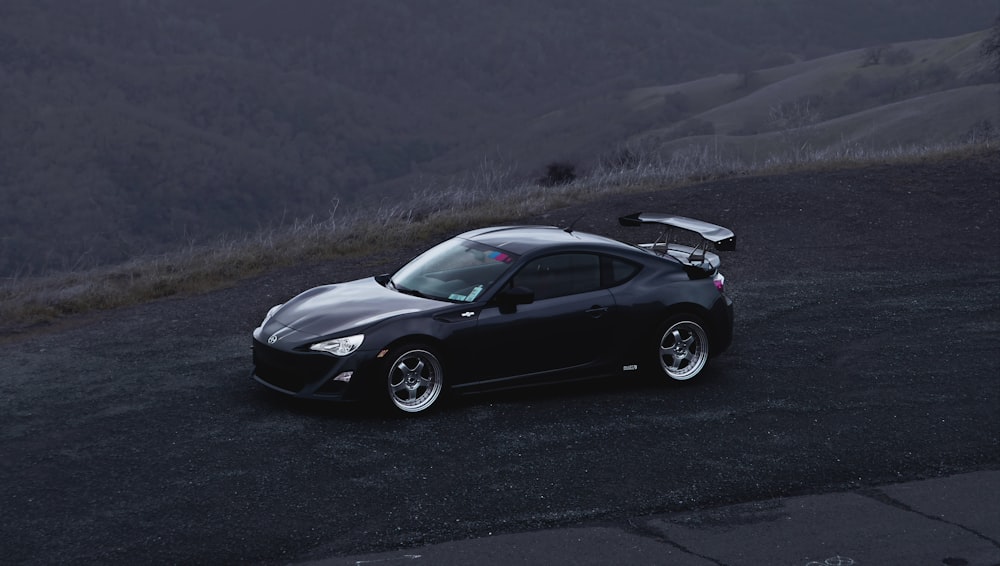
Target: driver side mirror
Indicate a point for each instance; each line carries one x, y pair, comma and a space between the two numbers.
508, 299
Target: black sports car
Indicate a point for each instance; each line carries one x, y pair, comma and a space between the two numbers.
504, 307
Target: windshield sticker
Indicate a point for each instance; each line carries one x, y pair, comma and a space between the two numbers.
499, 256
457, 297
475, 292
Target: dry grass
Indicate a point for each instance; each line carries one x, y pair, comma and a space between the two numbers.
488, 195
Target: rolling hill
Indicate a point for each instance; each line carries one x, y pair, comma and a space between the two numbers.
925, 93
132, 127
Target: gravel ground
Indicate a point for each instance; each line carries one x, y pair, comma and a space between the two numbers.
867, 351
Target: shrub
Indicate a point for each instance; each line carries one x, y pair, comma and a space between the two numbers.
898, 56
873, 55
558, 173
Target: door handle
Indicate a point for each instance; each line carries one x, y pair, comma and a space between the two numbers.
596, 311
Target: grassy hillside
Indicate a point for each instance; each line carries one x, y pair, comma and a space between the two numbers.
28, 303
132, 127
928, 92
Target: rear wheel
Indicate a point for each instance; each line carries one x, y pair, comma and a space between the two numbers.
414, 378
682, 347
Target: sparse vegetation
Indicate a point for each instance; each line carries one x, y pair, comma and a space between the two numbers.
889, 54
982, 133
477, 199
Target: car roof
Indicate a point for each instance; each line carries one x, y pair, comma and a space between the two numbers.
525, 239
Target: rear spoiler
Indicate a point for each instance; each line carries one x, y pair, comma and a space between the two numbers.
723, 238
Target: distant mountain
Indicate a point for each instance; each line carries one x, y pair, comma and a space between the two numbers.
137, 126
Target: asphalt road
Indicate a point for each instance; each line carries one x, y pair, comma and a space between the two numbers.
867, 352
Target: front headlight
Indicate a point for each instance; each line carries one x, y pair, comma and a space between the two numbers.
339, 346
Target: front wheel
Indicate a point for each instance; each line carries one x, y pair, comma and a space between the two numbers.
414, 379
682, 347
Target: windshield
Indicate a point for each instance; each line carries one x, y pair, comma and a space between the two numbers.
457, 270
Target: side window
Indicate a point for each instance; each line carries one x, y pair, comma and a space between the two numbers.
561, 274
618, 271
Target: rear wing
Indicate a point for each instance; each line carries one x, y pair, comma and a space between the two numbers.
723, 238
697, 260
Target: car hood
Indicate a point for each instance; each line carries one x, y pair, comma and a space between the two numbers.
345, 306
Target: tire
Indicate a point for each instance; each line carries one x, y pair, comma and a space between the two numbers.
681, 347
414, 378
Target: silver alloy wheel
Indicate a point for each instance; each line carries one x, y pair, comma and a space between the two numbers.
415, 380
683, 349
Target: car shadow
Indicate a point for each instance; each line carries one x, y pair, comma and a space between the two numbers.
591, 391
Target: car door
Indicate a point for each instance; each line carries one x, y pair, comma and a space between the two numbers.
564, 332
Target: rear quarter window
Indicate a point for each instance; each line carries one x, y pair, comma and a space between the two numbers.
617, 271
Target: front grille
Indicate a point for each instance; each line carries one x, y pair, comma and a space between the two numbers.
282, 379
289, 371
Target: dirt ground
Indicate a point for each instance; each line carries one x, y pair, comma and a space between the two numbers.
867, 351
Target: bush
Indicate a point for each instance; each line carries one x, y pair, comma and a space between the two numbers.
873, 55
898, 56
558, 173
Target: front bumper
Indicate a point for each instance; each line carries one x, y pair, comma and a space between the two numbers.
306, 374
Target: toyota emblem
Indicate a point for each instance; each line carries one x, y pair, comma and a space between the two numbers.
272, 339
